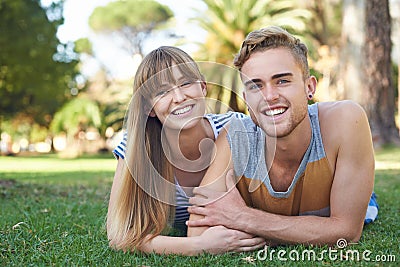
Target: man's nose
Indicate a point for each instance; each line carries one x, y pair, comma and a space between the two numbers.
269, 93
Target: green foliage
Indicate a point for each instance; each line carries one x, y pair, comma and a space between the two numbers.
229, 21
53, 212
132, 20
20, 128
139, 15
83, 45
35, 69
78, 114
38, 133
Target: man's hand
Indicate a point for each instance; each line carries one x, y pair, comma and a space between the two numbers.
218, 208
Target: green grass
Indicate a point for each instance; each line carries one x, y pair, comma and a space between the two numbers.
52, 212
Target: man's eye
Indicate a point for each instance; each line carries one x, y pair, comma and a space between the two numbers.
254, 86
282, 81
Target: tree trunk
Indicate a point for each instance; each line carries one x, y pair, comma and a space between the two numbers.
352, 81
379, 97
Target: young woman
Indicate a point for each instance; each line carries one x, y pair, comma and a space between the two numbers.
166, 152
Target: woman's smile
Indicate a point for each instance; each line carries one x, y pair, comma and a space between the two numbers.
182, 110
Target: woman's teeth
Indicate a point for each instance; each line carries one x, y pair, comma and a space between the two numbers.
182, 110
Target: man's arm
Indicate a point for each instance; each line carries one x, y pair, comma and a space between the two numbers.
350, 193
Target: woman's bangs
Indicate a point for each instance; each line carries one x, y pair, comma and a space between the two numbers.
161, 76
189, 70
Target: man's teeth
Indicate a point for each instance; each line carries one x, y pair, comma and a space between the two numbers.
182, 110
274, 111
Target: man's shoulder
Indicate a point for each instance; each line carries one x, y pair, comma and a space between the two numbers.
340, 111
338, 121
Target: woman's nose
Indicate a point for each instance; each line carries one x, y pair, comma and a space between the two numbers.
177, 94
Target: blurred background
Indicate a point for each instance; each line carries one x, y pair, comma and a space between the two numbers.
67, 67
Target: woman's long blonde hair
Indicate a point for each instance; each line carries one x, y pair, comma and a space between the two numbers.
142, 206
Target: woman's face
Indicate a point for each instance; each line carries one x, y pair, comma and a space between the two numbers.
182, 105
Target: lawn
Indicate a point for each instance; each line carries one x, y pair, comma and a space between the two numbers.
53, 211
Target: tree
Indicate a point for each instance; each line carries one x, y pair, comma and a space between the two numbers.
36, 71
322, 26
132, 20
352, 81
111, 95
379, 96
77, 115
229, 21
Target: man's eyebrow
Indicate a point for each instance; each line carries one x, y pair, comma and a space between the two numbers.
279, 75
246, 83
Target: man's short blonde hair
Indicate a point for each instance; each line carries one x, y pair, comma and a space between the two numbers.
269, 38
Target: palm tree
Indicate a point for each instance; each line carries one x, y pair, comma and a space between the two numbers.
229, 21
75, 116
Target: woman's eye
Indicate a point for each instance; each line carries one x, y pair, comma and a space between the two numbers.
161, 93
185, 84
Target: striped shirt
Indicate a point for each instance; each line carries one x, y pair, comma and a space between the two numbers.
217, 122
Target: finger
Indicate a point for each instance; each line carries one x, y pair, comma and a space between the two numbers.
197, 210
252, 244
254, 241
251, 248
199, 201
197, 223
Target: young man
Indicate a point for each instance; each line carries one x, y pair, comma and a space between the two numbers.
306, 173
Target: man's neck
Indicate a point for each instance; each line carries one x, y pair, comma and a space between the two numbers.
289, 150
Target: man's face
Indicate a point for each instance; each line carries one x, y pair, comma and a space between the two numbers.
275, 91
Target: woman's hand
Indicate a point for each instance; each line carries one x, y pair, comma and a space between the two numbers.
219, 239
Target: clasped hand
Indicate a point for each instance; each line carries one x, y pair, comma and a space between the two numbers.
218, 208
220, 211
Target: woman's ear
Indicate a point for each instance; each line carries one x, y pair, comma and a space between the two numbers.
203, 85
149, 110
152, 113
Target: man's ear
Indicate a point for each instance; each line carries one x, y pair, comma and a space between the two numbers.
244, 96
311, 85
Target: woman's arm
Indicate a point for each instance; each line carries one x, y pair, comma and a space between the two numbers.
215, 240
215, 176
